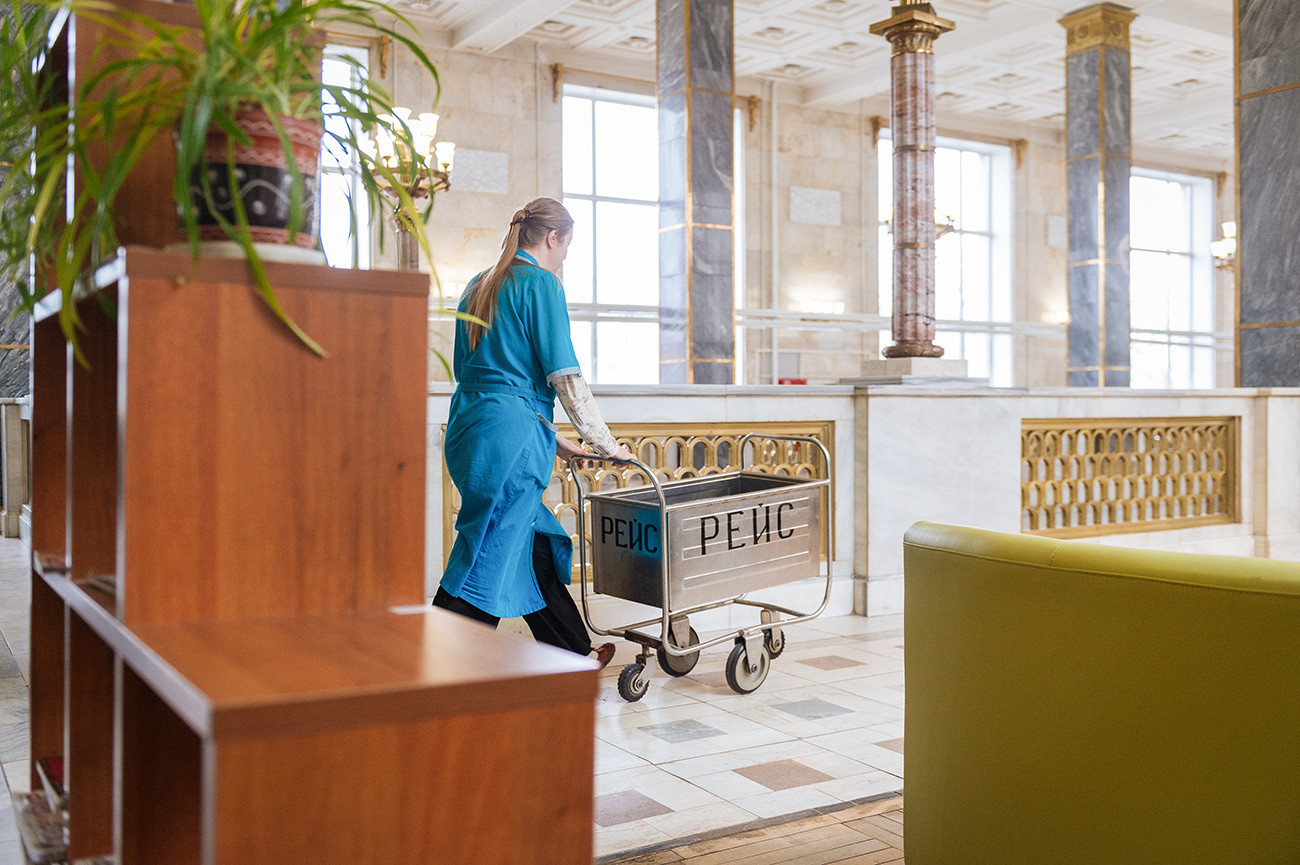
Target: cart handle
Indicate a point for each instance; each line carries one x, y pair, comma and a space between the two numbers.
582, 536
830, 505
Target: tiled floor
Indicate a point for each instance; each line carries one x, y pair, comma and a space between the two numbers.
691, 759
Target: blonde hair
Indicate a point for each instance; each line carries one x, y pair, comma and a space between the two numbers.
529, 227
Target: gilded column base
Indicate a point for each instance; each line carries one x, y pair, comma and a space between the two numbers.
913, 349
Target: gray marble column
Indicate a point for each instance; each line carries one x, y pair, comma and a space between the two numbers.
697, 319
1268, 172
1098, 149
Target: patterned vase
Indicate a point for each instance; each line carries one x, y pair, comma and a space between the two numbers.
263, 177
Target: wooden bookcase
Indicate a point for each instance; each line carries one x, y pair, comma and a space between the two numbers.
265, 683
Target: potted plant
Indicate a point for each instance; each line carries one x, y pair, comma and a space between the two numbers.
245, 81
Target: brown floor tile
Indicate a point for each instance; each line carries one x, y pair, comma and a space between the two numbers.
830, 662
626, 806
783, 774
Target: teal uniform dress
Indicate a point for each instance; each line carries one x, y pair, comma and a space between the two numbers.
500, 444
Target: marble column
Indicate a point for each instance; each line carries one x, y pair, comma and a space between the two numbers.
1099, 157
696, 85
911, 30
1268, 172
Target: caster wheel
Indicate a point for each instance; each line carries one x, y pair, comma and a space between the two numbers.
775, 645
680, 665
631, 684
739, 676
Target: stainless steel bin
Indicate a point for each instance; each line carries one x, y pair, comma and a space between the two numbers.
725, 535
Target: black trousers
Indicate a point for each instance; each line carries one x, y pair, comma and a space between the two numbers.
558, 623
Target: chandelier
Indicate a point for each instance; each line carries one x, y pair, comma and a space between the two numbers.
420, 166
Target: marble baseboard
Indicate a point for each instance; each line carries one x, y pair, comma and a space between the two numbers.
885, 595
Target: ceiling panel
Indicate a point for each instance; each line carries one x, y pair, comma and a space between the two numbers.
1003, 61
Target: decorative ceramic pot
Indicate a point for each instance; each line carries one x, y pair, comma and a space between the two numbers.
264, 178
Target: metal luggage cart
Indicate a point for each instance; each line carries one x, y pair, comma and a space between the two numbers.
699, 544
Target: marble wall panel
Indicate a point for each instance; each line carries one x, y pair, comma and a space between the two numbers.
1270, 356
1270, 220
672, 256
711, 293
1082, 331
672, 160
1118, 102
1267, 34
1117, 377
711, 45
815, 206
670, 45
707, 372
673, 292
1116, 316
1116, 209
1083, 114
1084, 234
1083, 378
711, 136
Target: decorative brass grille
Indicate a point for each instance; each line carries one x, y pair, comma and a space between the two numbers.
673, 452
1087, 476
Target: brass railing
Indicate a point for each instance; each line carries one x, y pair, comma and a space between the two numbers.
673, 451
1086, 476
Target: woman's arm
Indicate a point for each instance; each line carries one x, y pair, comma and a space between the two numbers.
580, 406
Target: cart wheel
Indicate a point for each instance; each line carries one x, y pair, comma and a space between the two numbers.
680, 665
775, 645
631, 685
741, 680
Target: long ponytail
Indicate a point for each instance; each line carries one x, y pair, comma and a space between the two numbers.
528, 227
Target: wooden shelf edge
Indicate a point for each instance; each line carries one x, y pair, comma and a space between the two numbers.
49, 564
186, 700
144, 262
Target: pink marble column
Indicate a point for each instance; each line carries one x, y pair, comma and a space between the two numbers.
912, 31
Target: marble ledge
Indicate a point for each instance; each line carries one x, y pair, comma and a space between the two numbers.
963, 389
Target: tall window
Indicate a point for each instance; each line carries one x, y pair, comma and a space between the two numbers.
972, 183
1171, 296
344, 210
611, 276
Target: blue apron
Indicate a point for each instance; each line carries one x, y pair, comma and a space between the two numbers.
500, 443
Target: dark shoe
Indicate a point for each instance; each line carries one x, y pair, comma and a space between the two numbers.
604, 654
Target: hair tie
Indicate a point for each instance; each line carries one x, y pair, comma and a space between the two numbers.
519, 219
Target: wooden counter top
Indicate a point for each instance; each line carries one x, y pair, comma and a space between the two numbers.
297, 675
228, 680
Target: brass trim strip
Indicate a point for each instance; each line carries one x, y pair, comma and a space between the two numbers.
912, 244
1266, 92
1103, 154
1256, 325
682, 225
914, 148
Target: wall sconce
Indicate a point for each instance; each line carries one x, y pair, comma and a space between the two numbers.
942, 225
420, 166
1224, 249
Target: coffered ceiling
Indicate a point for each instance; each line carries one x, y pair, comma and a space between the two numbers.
1004, 61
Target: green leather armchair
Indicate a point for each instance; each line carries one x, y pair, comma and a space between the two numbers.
1074, 703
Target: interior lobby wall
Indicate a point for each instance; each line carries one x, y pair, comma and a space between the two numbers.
500, 111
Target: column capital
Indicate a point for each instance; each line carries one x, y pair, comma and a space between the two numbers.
1093, 26
913, 28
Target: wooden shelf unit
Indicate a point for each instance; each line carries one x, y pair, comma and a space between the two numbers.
277, 690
